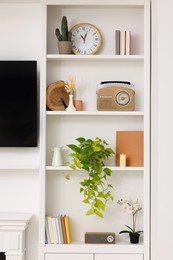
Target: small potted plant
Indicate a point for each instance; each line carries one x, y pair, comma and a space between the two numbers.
131, 208
64, 38
89, 155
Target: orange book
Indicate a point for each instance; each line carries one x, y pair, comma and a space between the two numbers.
67, 227
63, 228
130, 143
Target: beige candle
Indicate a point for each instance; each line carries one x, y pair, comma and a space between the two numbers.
122, 160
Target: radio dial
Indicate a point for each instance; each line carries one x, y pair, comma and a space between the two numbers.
122, 98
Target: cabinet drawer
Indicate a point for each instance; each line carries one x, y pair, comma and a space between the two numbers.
69, 257
118, 257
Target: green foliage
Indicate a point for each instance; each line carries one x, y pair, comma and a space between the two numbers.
65, 35
130, 231
89, 155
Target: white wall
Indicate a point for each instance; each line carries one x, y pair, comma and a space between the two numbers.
20, 38
162, 129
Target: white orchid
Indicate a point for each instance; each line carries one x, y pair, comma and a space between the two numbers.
130, 208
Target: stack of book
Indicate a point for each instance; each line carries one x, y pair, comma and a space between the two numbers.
122, 42
57, 229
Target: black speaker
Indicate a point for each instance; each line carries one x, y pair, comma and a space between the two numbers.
100, 237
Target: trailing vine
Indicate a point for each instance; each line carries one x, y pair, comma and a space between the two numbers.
89, 155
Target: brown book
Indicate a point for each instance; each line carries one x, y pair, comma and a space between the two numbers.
130, 143
63, 228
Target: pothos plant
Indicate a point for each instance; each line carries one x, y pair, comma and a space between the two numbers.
89, 155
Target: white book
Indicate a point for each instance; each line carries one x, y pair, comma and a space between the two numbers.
122, 43
49, 223
47, 232
58, 230
54, 228
128, 42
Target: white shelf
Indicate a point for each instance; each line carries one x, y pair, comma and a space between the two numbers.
94, 248
97, 2
95, 113
112, 168
19, 167
20, 1
57, 57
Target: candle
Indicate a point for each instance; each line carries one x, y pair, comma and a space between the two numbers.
122, 160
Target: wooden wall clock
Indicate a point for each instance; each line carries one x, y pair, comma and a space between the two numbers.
86, 39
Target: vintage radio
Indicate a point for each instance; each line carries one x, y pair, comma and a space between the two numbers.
100, 238
115, 96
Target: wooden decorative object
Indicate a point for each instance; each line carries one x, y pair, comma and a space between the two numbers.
130, 143
57, 97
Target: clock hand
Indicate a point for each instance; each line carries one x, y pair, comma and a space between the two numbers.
82, 38
85, 37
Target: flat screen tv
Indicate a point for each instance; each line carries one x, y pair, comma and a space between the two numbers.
18, 103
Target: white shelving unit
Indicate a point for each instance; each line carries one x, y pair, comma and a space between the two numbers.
59, 128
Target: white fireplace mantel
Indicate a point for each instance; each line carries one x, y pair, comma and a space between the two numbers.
12, 234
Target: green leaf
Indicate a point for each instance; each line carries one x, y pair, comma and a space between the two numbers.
80, 139
77, 162
99, 204
110, 186
96, 148
74, 148
81, 190
110, 151
98, 213
85, 201
112, 198
130, 228
101, 195
90, 212
107, 171
67, 177
125, 231
72, 166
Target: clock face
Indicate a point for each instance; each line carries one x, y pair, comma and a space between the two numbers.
122, 98
86, 39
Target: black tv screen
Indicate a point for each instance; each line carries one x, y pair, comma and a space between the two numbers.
18, 103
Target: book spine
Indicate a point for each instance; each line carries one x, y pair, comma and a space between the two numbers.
117, 42
128, 42
59, 230
122, 43
63, 229
47, 232
67, 227
49, 223
55, 233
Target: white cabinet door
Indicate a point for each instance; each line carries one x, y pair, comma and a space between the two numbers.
69, 257
118, 257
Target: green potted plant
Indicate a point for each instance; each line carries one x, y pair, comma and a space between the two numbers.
131, 208
64, 37
89, 155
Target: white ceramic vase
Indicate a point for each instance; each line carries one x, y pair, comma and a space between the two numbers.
71, 105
